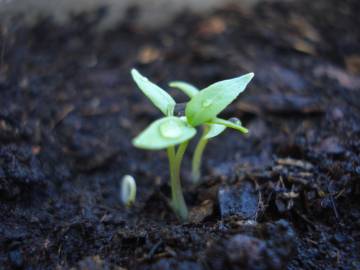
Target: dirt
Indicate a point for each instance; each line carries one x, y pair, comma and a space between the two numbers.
284, 197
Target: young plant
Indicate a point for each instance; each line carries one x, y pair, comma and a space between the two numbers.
173, 133
166, 133
211, 129
128, 190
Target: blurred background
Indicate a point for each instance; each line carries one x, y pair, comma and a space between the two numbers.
153, 12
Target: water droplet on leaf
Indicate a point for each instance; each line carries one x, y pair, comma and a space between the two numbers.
170, 129
235, 120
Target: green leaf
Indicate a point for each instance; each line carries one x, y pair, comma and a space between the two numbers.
209, 102
165, 132
162, 100
214, 130
230, 124
187, 88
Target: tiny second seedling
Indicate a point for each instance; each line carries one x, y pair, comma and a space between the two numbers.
173, 133
128, 190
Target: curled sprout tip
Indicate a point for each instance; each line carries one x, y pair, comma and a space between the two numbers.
128, 190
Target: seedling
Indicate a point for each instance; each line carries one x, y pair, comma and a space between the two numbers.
166, 133
128, 190
173, 133
211, 129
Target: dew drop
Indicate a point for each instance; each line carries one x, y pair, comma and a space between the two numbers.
206, 103
235, 120
170, 129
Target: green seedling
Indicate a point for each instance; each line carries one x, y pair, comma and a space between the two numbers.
215, 126
128, 190
173, 133
166, 133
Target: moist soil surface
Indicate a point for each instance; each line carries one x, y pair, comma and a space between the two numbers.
286, 196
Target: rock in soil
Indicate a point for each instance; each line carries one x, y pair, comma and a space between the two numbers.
241, 201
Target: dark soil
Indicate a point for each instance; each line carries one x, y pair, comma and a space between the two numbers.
284, 197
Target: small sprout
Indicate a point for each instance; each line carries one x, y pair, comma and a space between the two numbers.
208, 99
173, 133
209, 102
128, 190
166, 133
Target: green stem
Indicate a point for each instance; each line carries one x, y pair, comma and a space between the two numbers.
177, 199
196, 161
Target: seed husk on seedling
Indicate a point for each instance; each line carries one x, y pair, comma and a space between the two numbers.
173, 133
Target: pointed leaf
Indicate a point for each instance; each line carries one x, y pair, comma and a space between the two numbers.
187, 88
209, 102
229, 124
214, 130
165, 132
162, 100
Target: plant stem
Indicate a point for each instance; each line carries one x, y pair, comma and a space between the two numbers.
196, 161
177, 199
